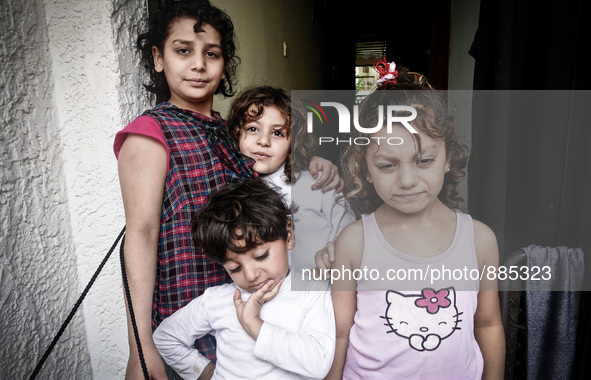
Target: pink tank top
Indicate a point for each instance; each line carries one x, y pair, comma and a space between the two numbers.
425, 333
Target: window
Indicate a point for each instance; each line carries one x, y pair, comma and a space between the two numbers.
366, 53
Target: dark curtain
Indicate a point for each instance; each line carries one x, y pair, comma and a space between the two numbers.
530, 167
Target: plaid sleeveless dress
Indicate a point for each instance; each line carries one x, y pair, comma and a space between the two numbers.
202, 160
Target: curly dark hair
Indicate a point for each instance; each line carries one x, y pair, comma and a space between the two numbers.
247, 212
302, 143
411, 89
159, 29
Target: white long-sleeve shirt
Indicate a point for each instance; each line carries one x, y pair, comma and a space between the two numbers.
296, 340
320, 217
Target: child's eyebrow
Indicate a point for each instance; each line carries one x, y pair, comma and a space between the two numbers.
428, 148
210, 45
213, 45
384, 156
182, 42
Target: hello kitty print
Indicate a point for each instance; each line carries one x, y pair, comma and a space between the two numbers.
424, 319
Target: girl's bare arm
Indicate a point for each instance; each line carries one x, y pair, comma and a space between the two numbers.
348, 254
488, 325
142, 173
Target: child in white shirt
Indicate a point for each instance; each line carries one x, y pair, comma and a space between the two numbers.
264, 330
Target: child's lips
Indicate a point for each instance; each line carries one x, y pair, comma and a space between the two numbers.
260, 284
409, 196
260, 156
197, 82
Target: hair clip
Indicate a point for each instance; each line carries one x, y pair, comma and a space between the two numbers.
388, 72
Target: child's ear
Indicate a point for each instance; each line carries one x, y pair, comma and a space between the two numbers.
157, 59
290, 236
448, 164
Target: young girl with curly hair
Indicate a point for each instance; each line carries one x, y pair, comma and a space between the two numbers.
269, 126
403, 185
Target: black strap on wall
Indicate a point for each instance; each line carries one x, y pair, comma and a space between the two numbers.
76, 306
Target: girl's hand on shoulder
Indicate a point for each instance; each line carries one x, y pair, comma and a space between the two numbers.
329, 179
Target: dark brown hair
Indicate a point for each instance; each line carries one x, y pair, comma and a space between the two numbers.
159, 29
291, 109
239, 217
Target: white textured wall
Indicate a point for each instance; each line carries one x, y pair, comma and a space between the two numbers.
69, 83
97, 93
38, 277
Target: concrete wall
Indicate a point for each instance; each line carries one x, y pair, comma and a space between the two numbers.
38, 265
262, 26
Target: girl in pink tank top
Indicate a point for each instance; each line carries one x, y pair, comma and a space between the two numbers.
409, 301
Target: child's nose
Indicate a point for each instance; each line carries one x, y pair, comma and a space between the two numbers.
198, 63
407, 176
250, 272
264, 140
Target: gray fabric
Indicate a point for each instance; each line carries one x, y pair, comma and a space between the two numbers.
170, 373
552, 311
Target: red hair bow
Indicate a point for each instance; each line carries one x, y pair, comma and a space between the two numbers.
388, 72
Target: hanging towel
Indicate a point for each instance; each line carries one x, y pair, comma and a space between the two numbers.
552, 311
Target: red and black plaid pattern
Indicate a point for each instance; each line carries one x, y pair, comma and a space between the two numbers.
202, 159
